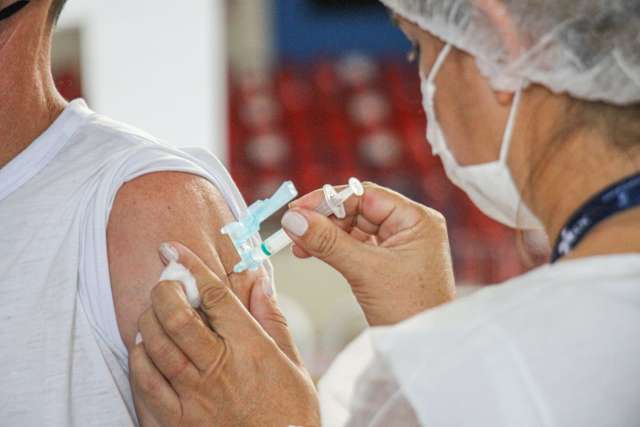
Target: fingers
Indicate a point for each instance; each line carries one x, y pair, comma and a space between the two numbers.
361, 236
379, 211
243, 283
355, 232
150, 387
299, 252
265, 310
184, 326
166, 356
320, 237
225, 313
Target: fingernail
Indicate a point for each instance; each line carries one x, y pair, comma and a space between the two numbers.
295, 223
138, 338
168, 253
267, 288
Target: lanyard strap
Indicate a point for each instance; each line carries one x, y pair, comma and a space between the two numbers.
12, 9
617, 198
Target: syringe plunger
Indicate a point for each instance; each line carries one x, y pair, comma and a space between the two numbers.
333, 202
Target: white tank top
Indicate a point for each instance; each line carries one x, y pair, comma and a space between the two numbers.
63, 361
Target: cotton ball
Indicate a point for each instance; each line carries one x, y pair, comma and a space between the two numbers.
179, 273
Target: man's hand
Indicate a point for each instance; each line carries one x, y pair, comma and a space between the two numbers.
225, 369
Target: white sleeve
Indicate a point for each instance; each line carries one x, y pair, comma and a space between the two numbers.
418, 374
359, 390
474, 375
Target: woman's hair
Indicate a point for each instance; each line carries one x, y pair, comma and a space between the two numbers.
619, 125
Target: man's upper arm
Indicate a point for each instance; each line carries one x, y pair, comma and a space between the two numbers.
155, 208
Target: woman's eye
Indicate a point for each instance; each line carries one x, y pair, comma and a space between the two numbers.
414, 54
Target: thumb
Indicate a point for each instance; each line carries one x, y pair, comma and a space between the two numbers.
222, 308
321, 238
265, 310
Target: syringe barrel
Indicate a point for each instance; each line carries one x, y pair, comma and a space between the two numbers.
276, 242
324, 209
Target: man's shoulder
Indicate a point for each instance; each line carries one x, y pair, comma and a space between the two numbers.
111, 153
114, 134
150, 210
170, 196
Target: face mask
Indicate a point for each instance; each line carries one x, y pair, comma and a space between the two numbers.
12, 9
489, 185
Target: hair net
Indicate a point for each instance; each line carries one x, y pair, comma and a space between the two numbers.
588, 48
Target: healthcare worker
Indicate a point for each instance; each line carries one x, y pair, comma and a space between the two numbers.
534, 109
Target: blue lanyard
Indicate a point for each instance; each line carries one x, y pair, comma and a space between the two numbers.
617, 198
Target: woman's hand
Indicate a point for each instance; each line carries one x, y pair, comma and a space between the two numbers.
393, 252
224, 369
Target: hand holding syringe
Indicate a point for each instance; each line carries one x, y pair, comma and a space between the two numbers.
241, 232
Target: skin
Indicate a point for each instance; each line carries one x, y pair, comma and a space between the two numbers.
158, 207
146, 211
247, 382
393, 251
26, 83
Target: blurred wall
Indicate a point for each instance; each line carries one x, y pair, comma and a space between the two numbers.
159, 65
250, 35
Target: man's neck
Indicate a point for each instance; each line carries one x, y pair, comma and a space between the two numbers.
581, 169
29, 101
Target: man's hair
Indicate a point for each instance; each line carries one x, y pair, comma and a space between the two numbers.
56, 9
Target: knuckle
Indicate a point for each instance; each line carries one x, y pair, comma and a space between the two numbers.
369, 185
222, 358
162, 290
436, 217
325, 241
145, 319
176, 369
147, 384
179, 320
213, 294
157, 348
277, 318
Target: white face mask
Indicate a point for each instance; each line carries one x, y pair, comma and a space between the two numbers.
489, 185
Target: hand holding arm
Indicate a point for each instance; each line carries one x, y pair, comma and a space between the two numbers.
225, 369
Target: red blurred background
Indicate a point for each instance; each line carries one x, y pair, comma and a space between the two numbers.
356, 116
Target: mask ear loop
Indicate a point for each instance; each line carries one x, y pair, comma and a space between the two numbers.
442, 56
507, 140
511, 124
431, 92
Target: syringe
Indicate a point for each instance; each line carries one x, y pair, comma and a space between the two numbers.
241, 231
333, 203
